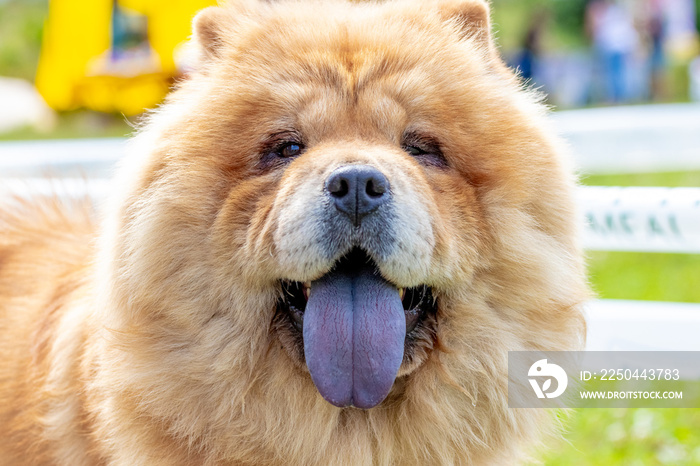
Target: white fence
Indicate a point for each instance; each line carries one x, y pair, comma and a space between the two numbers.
619, 140
641, 219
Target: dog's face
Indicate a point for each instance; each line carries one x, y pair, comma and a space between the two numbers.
363, 186
367, 211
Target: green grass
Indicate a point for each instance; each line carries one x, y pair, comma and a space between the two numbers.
643, 437
562, 21
669, 179
21, 23
77, 124
652, 277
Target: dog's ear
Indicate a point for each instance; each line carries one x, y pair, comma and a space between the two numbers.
472, 18
208, 30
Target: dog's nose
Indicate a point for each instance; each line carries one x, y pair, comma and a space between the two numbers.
357, 190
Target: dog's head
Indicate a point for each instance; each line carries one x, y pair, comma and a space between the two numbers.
358, 195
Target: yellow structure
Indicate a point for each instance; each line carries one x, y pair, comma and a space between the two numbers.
112, 55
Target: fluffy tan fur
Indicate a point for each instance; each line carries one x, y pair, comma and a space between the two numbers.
148, 340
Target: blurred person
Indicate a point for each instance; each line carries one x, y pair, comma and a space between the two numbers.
615, 40
694, 76
672, 36
681, 45
527, 60
656, 32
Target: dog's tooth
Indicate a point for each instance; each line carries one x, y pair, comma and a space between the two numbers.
402, 292
307, 289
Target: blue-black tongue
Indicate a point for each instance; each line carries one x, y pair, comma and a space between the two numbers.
354, 331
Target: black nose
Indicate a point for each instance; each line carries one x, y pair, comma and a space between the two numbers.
357, 190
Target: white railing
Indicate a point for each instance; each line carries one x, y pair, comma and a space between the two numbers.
60, 157
621, 325
641, 219
619, 140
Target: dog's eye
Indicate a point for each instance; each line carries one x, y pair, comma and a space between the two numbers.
425, 149
280, 149
289, 150
414, 151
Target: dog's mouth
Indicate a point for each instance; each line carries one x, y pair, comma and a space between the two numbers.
355, 328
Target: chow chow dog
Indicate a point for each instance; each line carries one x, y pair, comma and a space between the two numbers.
319, 250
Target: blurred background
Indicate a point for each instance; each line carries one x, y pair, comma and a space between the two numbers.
604, 52
68, 66
74, 69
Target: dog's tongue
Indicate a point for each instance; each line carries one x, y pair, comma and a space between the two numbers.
354, 331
